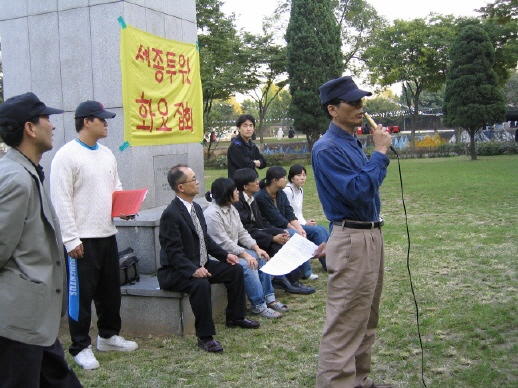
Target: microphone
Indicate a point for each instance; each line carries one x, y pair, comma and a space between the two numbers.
374, 126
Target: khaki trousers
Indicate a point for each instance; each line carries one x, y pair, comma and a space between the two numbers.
355, 261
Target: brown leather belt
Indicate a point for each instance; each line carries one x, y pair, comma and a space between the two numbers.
359, 224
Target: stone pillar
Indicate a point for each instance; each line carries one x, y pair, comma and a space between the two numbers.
66, 52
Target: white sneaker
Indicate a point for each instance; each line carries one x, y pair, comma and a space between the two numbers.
115, 342
313, 276
86, 359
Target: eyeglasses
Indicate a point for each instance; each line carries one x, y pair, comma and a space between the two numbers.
192, 180
356, 103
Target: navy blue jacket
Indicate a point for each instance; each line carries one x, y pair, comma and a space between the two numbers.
280, 215
242, 155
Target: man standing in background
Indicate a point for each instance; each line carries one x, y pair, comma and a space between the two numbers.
243, 152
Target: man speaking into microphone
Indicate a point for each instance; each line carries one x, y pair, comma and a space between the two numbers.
348, 187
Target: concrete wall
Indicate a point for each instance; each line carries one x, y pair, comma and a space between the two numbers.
67, 51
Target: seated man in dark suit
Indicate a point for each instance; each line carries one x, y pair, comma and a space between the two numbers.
267, 236
185, 266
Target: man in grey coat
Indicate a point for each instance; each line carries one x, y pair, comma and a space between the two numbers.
32, 268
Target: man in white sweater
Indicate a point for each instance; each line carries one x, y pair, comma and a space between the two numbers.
82, 181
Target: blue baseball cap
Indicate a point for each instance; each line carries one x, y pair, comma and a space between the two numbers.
343, 88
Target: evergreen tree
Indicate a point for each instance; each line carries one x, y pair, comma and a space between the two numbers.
314, 57
472, 97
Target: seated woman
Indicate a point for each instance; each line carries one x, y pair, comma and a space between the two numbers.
316, 233
267, 236
225, 228
276, 208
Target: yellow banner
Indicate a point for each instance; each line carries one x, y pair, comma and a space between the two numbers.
161, 90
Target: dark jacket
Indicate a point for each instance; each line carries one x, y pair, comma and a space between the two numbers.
180, 244
260, 229
280, 215
242, 155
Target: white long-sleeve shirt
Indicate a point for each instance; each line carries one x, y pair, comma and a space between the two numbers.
82, 182
296, 197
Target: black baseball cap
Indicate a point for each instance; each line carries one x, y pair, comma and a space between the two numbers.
17, 110
93, 108
343, 88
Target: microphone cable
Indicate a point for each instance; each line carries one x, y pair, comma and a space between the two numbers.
408, 267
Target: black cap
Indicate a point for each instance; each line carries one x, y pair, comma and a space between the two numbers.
17, 110
93, 108
343, 88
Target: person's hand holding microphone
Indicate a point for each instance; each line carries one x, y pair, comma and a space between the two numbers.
380, 136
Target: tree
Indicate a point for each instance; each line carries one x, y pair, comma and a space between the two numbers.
511, 91
249, 106
500, 21
225, 62
472, 97
279, 108
219, 121
384, 107
503, 11
413, 53
314, 57
357, 20
270, 63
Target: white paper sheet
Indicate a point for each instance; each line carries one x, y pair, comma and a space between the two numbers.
292, 254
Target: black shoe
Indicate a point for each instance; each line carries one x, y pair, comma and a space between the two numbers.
282, 283
211, 346
243, 323
305, 290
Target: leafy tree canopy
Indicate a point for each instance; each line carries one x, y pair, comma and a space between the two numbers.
225, 61
472, 97
314, 57
511, 91
502, 11
357, 20
414, 53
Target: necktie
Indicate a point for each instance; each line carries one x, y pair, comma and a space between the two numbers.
203, 247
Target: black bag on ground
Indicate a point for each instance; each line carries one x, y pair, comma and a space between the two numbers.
128, 264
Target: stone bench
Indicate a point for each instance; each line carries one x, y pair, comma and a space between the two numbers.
147, 310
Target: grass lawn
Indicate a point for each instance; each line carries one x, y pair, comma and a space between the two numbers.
463, 223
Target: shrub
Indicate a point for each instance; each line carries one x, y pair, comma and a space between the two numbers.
444, 150
220, 162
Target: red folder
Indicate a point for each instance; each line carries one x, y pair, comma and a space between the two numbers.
127, 202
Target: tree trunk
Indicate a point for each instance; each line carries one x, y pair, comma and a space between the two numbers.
312, 136
472, 149
261, 134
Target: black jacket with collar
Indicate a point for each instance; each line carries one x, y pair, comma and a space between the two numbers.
241, 154
260, 229
180, 244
